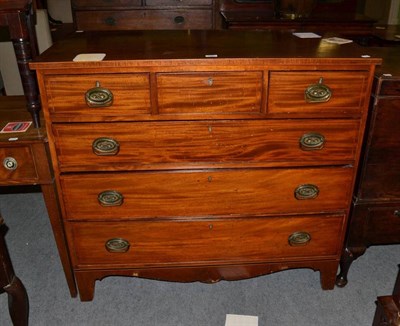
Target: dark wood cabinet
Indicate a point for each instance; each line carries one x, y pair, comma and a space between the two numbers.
143, 14
375, 217
339, 15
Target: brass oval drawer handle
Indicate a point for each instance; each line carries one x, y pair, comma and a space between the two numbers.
312, 141
10, 163
105, 146
99, 97
306, 191
117, 245
318, 93
299, 238
110, 198
397, 213
179, 20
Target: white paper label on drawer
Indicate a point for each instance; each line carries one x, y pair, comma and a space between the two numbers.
90, 57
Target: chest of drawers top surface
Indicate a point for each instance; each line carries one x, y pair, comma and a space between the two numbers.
140, 48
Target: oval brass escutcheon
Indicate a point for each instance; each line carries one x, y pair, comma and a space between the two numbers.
98, 97
312, 141
318, 93
104, 146
110, 198
117, 245
306, 191
299, 238
10, 163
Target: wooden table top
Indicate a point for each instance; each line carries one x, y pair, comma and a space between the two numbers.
13, 109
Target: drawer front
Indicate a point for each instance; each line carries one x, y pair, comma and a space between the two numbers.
210, 93
205, 193
381, 176
383, 138
144, 19
17, 165
92, 4
178, 3
380, 182
197, 242
145, 145
390, 87
383, 225
287, 93
66, 94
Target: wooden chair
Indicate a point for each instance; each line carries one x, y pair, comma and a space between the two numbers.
9, 283
388, 308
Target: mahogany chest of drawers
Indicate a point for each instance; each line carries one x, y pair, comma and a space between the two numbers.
92, 15
206, 155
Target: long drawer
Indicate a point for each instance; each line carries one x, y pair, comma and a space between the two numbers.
145, 145
96, 4
382, 225
113, 196
197, 242
144, 19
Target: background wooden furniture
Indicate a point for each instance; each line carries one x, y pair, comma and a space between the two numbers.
388, 308
375, 217
137, 14
176, 165
24, 161
339, 16
12, 285
19, 16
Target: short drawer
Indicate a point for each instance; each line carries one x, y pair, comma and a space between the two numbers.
102, 4
71, 96
142, 195
17, 165
166, 145
144, 19
345, 96
210, 92
383, 225
198, 242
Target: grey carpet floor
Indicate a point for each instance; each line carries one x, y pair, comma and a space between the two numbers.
286, 298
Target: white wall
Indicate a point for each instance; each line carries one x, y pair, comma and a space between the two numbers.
60, 10
8, 62
384, 11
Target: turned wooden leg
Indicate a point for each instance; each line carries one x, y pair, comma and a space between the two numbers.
345, 263
348, 256
18, 305
9, 283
